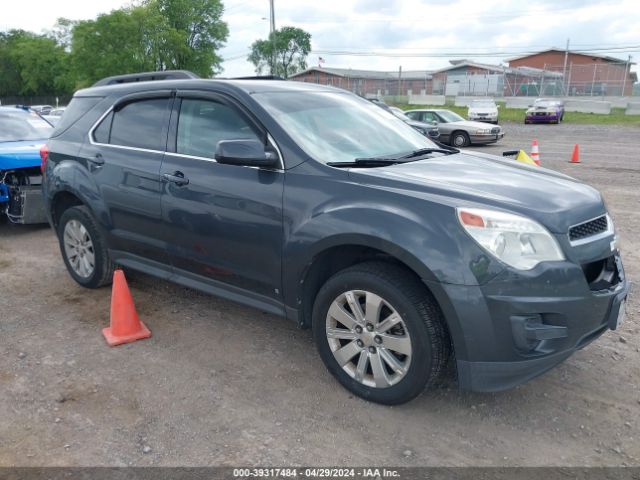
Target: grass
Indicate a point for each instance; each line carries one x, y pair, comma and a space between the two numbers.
516, 115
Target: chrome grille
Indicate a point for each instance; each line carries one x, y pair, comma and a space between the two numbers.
588, 229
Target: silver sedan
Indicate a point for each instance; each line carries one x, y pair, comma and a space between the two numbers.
455, 130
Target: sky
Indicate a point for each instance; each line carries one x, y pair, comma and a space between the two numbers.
387, 34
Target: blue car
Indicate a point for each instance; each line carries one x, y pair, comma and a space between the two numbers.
22, 135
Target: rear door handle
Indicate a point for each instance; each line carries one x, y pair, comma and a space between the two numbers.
98, 159
177, 177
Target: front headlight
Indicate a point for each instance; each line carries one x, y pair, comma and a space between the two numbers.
518, 241
483, 131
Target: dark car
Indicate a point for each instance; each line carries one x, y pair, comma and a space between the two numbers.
309, 202
426, 129
545, 111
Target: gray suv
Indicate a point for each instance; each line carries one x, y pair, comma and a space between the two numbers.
309, 202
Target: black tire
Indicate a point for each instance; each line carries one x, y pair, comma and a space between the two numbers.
418, 309
102, 273
460, 139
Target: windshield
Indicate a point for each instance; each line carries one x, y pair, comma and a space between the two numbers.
544, 103
340, 127
483, 104
449, 116
16, 126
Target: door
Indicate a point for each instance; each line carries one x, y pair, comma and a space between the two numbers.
124, 155
223, 222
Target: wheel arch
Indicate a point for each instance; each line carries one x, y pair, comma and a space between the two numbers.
342, 252
61, 201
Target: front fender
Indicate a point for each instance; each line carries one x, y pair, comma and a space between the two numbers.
423, 235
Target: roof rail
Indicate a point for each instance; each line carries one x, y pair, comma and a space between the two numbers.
260, 77
146, 76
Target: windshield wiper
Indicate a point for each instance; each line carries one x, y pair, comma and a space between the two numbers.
425, 151
392, 160
366, 162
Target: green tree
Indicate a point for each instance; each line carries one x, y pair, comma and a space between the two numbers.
32, 64
111, 44
186, 34
10, 80
283, 53
155, 35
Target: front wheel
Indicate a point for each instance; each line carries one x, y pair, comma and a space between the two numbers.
380, 332
83, 248
460, 139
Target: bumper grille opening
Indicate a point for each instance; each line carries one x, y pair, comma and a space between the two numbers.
602, 274
588, 229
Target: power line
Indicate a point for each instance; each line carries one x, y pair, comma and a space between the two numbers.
598, 45
438, 54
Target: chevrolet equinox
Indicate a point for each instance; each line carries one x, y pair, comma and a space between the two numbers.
309, 202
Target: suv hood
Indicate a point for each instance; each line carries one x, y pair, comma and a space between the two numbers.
24, 154
471, 178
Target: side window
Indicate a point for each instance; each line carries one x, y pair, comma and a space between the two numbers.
203, 123
429, 117
140, 124
102, 131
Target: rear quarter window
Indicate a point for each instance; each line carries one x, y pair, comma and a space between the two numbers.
76, 109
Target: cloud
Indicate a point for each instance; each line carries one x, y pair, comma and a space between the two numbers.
444, 27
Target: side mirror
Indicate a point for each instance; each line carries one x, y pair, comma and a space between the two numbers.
246, 152
433, 122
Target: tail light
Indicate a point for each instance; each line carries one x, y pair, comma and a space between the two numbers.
44, 156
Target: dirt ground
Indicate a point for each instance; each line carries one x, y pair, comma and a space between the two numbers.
221, 384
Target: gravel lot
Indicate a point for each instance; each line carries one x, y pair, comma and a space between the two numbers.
221, 384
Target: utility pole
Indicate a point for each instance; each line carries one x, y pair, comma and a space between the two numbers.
272, 30
626, 74
564, 69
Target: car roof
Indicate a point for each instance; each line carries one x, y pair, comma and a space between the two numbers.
249, 86
15, 109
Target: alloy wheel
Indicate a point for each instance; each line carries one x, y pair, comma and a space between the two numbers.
79, 249
368, 338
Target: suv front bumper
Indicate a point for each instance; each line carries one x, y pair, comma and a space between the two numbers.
521, 324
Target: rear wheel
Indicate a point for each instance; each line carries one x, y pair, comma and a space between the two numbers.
83, 248
460, 139
379, 332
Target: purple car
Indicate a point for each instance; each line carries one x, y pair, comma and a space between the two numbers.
545, 111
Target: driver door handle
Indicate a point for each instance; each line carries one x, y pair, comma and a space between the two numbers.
176, 177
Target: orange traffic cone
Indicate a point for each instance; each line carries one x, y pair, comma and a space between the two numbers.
535, 154
575, 158
125, 327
